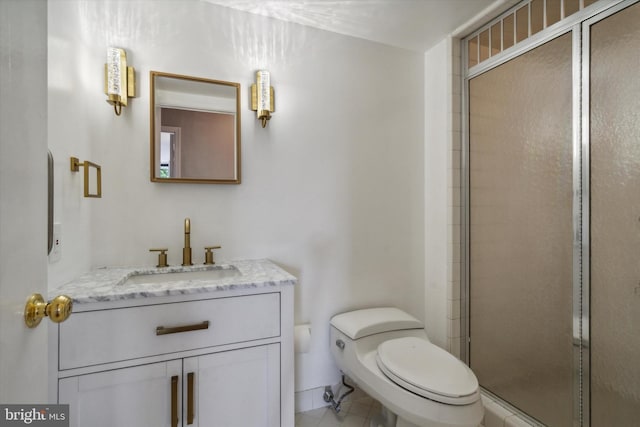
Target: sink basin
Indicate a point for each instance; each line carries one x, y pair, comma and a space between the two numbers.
215, 273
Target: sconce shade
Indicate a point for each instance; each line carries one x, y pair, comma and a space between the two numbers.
262, 97
119, 82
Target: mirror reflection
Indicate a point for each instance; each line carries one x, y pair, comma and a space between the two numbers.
195, 129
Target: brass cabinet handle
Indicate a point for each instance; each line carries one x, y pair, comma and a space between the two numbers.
161, 330
174, 401
190, 398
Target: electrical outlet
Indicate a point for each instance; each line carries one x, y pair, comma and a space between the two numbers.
56, 251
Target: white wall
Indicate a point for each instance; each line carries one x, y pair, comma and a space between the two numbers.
443, 194
437, 155
332, 189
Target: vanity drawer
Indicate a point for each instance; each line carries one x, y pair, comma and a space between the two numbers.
104, 336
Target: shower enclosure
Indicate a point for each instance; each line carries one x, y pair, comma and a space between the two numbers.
552, 211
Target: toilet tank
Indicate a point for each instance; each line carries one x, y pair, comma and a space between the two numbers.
361, 323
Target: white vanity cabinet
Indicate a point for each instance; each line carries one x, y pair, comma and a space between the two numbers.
222, 358
135, 396
234, 388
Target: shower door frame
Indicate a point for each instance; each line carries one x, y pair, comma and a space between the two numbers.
585, 120
579, 25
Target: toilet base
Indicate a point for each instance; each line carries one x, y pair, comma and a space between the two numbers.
386, 418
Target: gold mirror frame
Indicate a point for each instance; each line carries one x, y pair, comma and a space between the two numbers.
155, 129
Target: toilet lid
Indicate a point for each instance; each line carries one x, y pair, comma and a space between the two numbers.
425, 369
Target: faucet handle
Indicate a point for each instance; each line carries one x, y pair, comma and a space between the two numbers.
162, 256
208, 255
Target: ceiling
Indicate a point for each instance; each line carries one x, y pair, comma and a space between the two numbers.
410, 24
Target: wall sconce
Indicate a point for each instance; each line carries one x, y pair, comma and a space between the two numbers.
119, 80
262, 97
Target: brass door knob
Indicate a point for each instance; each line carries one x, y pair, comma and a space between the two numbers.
58, 310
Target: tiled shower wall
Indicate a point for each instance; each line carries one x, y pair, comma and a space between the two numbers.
454, 202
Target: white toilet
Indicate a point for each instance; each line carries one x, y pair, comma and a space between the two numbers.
388, 354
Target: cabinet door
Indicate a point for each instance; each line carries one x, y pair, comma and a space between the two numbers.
238, 388
138, 396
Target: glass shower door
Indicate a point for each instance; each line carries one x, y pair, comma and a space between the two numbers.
520, 231
615, 218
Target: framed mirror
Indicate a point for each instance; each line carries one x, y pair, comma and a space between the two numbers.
195, 129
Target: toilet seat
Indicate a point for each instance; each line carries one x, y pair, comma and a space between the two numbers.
427, 370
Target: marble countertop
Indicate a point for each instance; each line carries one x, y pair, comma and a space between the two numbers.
110, 283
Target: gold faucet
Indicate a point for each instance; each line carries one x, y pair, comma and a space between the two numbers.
186, 251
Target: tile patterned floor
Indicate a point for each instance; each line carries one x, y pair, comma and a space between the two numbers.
357, 410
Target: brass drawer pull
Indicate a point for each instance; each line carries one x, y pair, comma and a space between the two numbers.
161, 330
